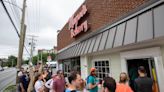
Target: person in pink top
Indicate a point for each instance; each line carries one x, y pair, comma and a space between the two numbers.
123, 86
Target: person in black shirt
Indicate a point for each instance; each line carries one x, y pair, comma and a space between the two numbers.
143, 83
109, 85
24, 81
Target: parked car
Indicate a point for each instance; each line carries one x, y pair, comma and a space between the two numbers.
1, 69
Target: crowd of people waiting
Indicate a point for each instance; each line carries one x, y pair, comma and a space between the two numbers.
74, 83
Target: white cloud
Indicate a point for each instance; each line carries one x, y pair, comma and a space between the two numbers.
52, 17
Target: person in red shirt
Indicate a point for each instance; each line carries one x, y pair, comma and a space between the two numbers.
59, 82
123, 86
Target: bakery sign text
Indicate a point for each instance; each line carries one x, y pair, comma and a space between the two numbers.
74, 27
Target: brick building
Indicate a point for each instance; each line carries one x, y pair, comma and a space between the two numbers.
113, 35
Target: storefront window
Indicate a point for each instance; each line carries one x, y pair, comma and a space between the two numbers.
72, 64
103, 69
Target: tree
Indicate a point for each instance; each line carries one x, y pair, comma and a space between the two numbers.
53, 56
44, 57
35, 60
12, 61
25, 61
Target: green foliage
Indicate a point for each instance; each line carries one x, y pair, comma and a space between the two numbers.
44, 57
4, 64
35, 59
25, 61
12, 61
53, 56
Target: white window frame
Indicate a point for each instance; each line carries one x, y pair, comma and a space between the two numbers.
66, 72
154, 52
95, 60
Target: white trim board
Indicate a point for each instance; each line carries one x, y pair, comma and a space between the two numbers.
146, 53
141, 53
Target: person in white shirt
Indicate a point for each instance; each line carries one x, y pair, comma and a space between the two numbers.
20, 73
49, 83
39, 84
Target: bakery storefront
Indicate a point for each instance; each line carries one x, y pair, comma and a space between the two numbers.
115, 36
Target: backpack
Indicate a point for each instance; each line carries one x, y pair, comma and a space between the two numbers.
87, 83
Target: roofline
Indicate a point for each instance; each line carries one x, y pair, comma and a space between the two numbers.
120, 20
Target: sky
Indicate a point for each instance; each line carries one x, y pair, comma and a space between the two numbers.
43, 18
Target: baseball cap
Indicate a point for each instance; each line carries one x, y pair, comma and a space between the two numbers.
92, 69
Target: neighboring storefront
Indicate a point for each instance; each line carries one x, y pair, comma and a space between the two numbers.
123, 43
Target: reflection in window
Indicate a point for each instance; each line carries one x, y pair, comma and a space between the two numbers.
70, 65
102, 69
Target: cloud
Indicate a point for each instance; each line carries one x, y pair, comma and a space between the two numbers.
46, 36
53, 16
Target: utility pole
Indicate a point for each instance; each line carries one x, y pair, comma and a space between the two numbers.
22, 36
32, 43
32, 74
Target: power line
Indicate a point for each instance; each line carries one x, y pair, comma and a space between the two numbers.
28, 22
35, 15
38, 14
15, 2
26, 50
11, 3
32, 43
14, 14
16, 10
39, 11
10, 17
12, 22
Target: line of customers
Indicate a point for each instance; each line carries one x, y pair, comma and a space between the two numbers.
142, 83
76, 84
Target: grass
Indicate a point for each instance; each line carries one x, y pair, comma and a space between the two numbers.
11, 88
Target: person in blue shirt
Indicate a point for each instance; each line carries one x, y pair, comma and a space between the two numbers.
92, 81
74, 82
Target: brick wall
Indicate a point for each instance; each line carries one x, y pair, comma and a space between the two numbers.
100, 13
